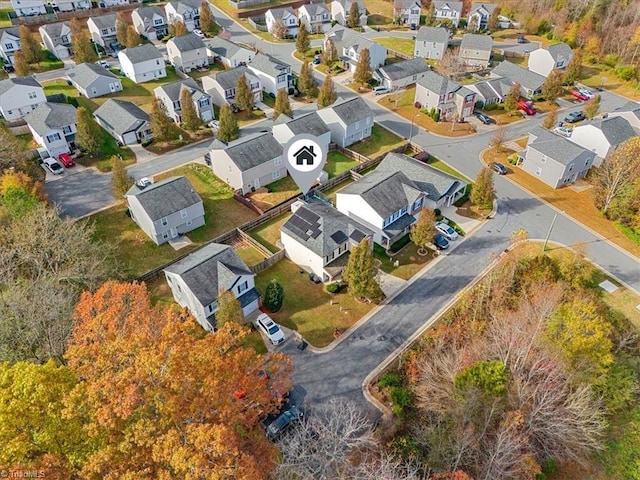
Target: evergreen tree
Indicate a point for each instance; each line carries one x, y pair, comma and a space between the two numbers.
483, 192
29, 46
161, 125
591, 108
121, 29
306, 83
132, 38
423, 231
89, 135
282, 105
207, 22
552, 87
327, 94
83, 50
229, 309
190, 119
550, 120
353, 21
302, 41
330, 53
273, 296
229, 129
20, 64
121, 181
511, 98
363, 72
361, 273
243, 98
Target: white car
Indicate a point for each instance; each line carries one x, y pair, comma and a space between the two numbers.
53, 166
103, 63
214, 124
270, 329
198, 33
586, 92
446, 230
564, 131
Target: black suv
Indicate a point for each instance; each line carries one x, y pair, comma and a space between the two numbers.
483, 118
283, 422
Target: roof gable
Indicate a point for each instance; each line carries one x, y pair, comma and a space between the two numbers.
86, 73
121, 116
352, 110
558, 148
166, 197
188, 42
142, 53
251, 151
405, 68
51, 116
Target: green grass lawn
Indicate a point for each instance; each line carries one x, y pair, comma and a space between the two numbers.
4, 17
381, 141
398, 44
410, 262
269, 233
307, 307
440, 165
337, 163
249, 254
268, 100
331, 193
275, 193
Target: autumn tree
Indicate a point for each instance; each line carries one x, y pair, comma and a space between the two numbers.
473, 25
361, 273
423, 231
228, 130
121, 28
273, 296
363, 73
551, 119
573, 72
244, 97
498, 138
178, 29
11, 149
29, 45
121, 181
20, 64
493, 22
511, 98
19, 194
353, 20
618, 173
161, 124
279, 29
330, 54
327, 94
552, 87
302, 40
83, 50
282, 105
591, 108
191, 121
89, 135
229, 309
450, 63
483, 191
207, 21
75, 26
306, 83
132, 38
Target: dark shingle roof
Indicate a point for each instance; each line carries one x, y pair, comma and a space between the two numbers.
267, 64
558, 148
440, 85
315, 8
282, 13
9, 83
15, 31
121, 116
616, 130
310, 123
452, 5
251, 151
225, 48
405, 4
166, 197
228, 79
185, 43
433, 34
51, 116
560, 52
142, 53
516, 74
183, 6
405, 68
353, 110
54, 30
173, 90
86, 73
475, 41
149, 12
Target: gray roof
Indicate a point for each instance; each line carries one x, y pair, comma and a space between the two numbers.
630, 106
405, 68
105, 21
51, 116
440, 85
185, 43
142, 53
558, 148
86, 73
183, 6
209, 270
310, 123
346, 37
54, 31
323, 229
405, 4
149, 12
250, 151
8, 83
433, 34
121, 116
616, 130
225, 48
560, 52
489, 7
281, 13
492, 87
452, 5
475, 41
15, 31
173, 90
267, 64
352, 110
228, 79
315, 8
516, 74
165, 197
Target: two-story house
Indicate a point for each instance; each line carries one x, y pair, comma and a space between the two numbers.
475, 50
603, 135
56, 38
349, 44
478, 16
315, 17
230, 54
19, 96
185, 11
349, 121
340, 10
530, 82
407, 12
197, 280
285, 128
93, 80
9, 43
70, 5
150, 22
630, 111
285, 15
170, 95
492, 90
125, 121
390, 199
165, 210
544, 60
103, 29
319, 238
27, 8
401, 74
272, 73
187, 52
451, 100
53, 126
142, 63
447, 13
431, 42
248, 163
222, 85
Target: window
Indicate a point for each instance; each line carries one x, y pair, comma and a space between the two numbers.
189, 223
64, 39
543, 159
66, 130
571, 167
243, 287
105, 31
538, 171
357, 125
33, 95
183, 213
276, 174
277, 161
210, 308
418, 203
8, 46
404, 210
164, 222
165, 235
53, 138
157, 62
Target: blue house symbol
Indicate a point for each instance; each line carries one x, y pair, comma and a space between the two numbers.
305, 154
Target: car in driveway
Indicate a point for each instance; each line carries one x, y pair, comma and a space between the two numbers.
317, 61
214, 124
440, 242
270, 329
577, 94
198, 33
380, 90
499, 168
574, 117
53, 166
483, 118
66, 160
586, 92
284, 422
103, 63
527, 107
446, 230
564, 131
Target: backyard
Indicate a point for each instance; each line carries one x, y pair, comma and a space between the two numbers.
380, 142
275, 193
399, 44
338, 162
269, 232
380, 12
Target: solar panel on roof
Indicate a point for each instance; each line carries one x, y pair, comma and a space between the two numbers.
316, 233
339, 237
308, 215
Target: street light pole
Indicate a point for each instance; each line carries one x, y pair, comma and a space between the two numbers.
553, 222
411, 131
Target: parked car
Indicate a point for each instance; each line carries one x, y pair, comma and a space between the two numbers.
317, 61
483, 118
103, 63
214, 124
499, 168
284, 422
577, 94
235, 108
586, 92
8, 68
144, 182
564, 131
527, 107
447, 231
574, 117
270, 329
440, 242
198, 33
380, 90
53, 166
66, 160
521, 39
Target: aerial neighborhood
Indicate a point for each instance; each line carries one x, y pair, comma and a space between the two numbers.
408, 230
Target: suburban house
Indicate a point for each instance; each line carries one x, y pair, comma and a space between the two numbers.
315, 17
124, 121
248, 163
272, 73
285, 128
349, 44
27, 8
187, 52
475, 50
56, 38
554, 159
230, 54
197, 280
113, 3
349, 121
171, 93
19, 96
142, 63
478, 16
603, 135
150, 22
431, 42
319, 238
401, 74
103, 29
492, 90
407, 12
390, 199
9, 43
530, 82
53, 126
185, 11
93, 80
448, 13
340, 11
286, 15
165, 210
222, 85
70, 5
629, 111
450, 99
544, 60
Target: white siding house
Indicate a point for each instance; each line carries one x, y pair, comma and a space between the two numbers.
340, 11
19, 96
272, 73
103, 29
142, 63
150, 22
315, 17
602, 136
350, 121
9, 43
431, 42
27, 8
448, 12
53, 126
187, 52
185, 11
57, 39
543, 60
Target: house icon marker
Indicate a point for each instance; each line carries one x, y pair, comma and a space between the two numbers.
305, 154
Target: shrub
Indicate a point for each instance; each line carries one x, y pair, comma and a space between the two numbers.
625, 72
333, 287
611, 60
418, 105
401, 398
436, 117
592, 59
543, 27
437, 213
274, 296
391, 379
397, 246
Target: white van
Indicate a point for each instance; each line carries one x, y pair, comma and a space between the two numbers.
380, 90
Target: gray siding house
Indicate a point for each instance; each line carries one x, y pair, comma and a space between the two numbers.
401, 74
150, 22
56, 38
451, 100
530, 82
285, 128
249, 163
187, 52
230, 54
197, 280
475, 50
349, 121
124, 121
222, 85
166, 209
407, 12
93, 80
103, 29
171, 93
431, 42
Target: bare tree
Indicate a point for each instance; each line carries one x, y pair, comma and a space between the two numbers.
450, 63
279, 30
498, 138
619, 171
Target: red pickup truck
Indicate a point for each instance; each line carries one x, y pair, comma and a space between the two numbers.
527, 107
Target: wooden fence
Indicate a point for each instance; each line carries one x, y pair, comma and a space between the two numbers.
267, 262
258, 23
38, 20
397, 54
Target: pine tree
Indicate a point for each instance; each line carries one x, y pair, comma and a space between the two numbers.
178, 29
273, 296
132, 38
423, 231
361, 273
482, 192
191, 121
363, 73
282, 105
302, 41
591, 108
327, 94
229, 309
121, 29
243, 98
550, 120
161, 125
306, 83
207, 22
552, 87
20, 64
511, 98
228, 130
353, 20
83, 49
330, 53
89, 135
121, 181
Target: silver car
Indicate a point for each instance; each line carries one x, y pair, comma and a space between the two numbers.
270, 329
53, 166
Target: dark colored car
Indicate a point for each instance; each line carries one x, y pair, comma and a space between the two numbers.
574, 117
521, 39
499, 168
441, 242
9, 68
235, 108
283, 422
483, 118
316, 61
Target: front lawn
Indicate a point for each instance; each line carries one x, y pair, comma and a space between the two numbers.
338, 162
440, 165
307, 306
380, 12
109, 148
409, 262
380, 142
269, 232
399, 44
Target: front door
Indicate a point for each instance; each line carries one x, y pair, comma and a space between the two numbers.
173, 232
256, 183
